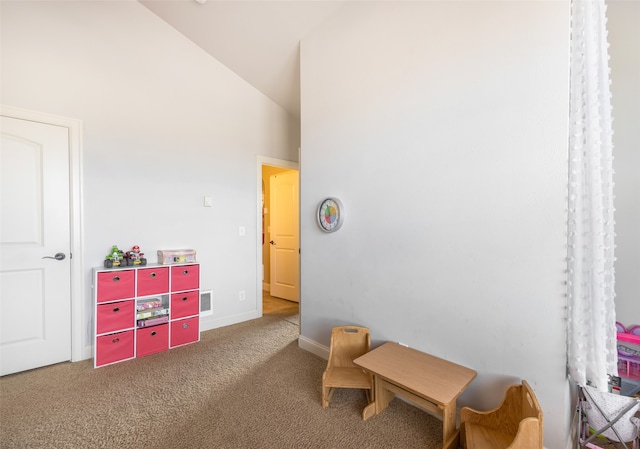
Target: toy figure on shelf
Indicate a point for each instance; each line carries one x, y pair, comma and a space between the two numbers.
135, 257
115, 258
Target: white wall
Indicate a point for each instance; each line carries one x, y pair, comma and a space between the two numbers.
164, 125
442, 126
624, 39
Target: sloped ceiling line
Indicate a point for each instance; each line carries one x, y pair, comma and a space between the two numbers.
258, 40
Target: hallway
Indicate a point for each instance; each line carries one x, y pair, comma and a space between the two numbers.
289, 310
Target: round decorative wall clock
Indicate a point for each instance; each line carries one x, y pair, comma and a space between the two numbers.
330, 214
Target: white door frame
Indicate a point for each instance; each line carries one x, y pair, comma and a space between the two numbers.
281, 163
78, 351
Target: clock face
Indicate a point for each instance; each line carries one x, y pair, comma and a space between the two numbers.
330, 214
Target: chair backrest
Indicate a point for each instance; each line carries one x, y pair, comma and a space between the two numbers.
348, 343
531, 408
519, 403
599, 402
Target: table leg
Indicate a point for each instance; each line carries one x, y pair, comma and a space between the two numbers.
450, 435
371, 408
381, 399
383, 396
369, 411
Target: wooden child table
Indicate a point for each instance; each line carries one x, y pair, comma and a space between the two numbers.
428, 381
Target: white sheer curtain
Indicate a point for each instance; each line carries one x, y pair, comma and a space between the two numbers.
592, 350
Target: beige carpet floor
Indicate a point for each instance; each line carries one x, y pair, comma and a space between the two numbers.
243, 386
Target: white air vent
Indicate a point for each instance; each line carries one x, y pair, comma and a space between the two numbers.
206, 307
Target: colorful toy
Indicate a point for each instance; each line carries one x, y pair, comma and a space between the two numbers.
115, 258
135, 257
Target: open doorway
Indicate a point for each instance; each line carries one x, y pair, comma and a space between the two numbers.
278, 242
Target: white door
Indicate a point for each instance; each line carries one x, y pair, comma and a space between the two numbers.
35, 286
285, 236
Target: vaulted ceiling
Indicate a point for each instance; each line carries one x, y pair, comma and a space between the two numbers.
258, 40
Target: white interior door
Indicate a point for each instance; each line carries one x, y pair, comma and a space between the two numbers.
35, 286
284, 257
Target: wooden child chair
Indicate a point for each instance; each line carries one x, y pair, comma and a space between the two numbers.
347, 343
515, 424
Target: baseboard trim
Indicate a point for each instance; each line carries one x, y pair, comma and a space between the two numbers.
572, 441
209, 323
313, 347
87, 353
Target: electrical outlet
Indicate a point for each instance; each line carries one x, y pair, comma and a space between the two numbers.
241, 295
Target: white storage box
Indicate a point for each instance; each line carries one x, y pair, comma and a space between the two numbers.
169, 256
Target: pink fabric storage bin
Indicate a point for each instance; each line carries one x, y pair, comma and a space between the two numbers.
185, 331
152, 281
150, 340
184, 304
114, 285
185, 277
114, 316
114, 347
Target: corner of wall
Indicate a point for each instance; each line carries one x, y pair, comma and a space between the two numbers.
313, 347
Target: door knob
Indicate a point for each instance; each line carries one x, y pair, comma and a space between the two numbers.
58, 256
272, 242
